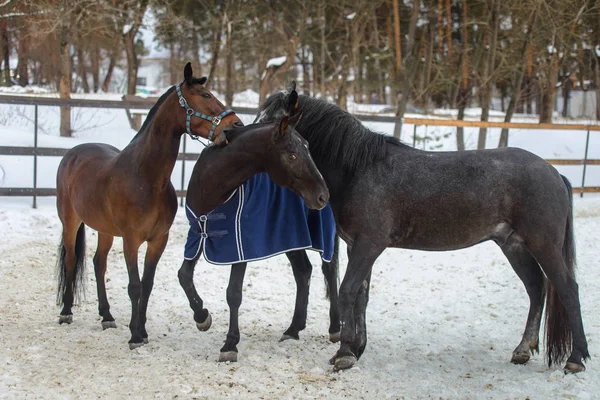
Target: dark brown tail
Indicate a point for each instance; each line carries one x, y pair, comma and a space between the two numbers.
558, 329
77, 284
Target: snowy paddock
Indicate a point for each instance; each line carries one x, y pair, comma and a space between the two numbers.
440, 325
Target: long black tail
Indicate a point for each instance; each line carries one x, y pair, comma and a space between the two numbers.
76, 284
331, 270
558, 329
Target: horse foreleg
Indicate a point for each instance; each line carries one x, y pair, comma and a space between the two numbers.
331, 275
360, 262
529, 271
155, 249
302, 269
186, 281
229, 351
134, 289
100, 258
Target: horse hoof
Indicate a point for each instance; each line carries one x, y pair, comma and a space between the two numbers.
145, 340
285, 337
335, 337
572, 368
135, 345
519, 358
345, 362
65, 319
204, 326
108, 324
230, 356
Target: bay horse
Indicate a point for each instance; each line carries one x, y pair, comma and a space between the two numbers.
129, 194
387, 194
218, 173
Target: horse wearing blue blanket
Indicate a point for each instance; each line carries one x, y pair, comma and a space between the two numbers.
242, 200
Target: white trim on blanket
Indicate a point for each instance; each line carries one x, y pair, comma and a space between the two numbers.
261, 258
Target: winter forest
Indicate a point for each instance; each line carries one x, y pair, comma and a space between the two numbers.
414, 55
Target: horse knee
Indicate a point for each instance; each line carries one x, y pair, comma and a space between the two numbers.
134, 290
234, 297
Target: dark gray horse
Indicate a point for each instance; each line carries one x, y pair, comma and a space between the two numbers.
386, 194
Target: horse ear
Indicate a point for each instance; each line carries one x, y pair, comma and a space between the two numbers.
292, 105
283, 124
292, 86
188, 74
202, 80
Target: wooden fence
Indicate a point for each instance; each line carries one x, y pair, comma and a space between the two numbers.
129, 104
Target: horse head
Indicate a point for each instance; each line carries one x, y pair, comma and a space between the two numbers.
204, 114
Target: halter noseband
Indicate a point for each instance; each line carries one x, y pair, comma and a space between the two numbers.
190, 111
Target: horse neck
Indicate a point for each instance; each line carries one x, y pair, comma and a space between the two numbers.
223, 170
155, 152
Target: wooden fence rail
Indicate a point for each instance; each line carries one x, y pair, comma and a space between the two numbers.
132, 103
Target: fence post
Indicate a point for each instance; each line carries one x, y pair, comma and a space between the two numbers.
585, 157
414, 135
35, 145
183, 169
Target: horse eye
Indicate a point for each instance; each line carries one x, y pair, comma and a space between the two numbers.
293, 157
206, 95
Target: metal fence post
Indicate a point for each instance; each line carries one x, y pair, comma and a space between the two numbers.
585, 157
183, 170
35, 146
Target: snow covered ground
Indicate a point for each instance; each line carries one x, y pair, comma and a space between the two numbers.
441, 325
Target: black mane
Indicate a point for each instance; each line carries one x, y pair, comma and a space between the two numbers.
152, 113
335, 136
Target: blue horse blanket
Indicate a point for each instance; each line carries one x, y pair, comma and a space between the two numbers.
258, 221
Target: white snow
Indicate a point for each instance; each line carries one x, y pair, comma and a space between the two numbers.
440, 324
351, 16
276, 62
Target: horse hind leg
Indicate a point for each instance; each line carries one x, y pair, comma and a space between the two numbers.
564, 325
100, 259
71, 266
229, 351
302, 269
527, 268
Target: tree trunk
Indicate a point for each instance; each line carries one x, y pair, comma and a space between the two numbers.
215, 47
463, 92
129, 45
196, 65
397, 42
440, 27
173, 70
109, 73
488, 71
132, 61
503, 142
82, 70
406, 78
23, 64
548, 93
229, 67
322, 46
5, 46
64, 86
95, 64
305, 73
448, 29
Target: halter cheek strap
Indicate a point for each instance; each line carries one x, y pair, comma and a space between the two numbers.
190, 112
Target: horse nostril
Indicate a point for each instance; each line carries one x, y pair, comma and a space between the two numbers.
237, 124
323, 198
